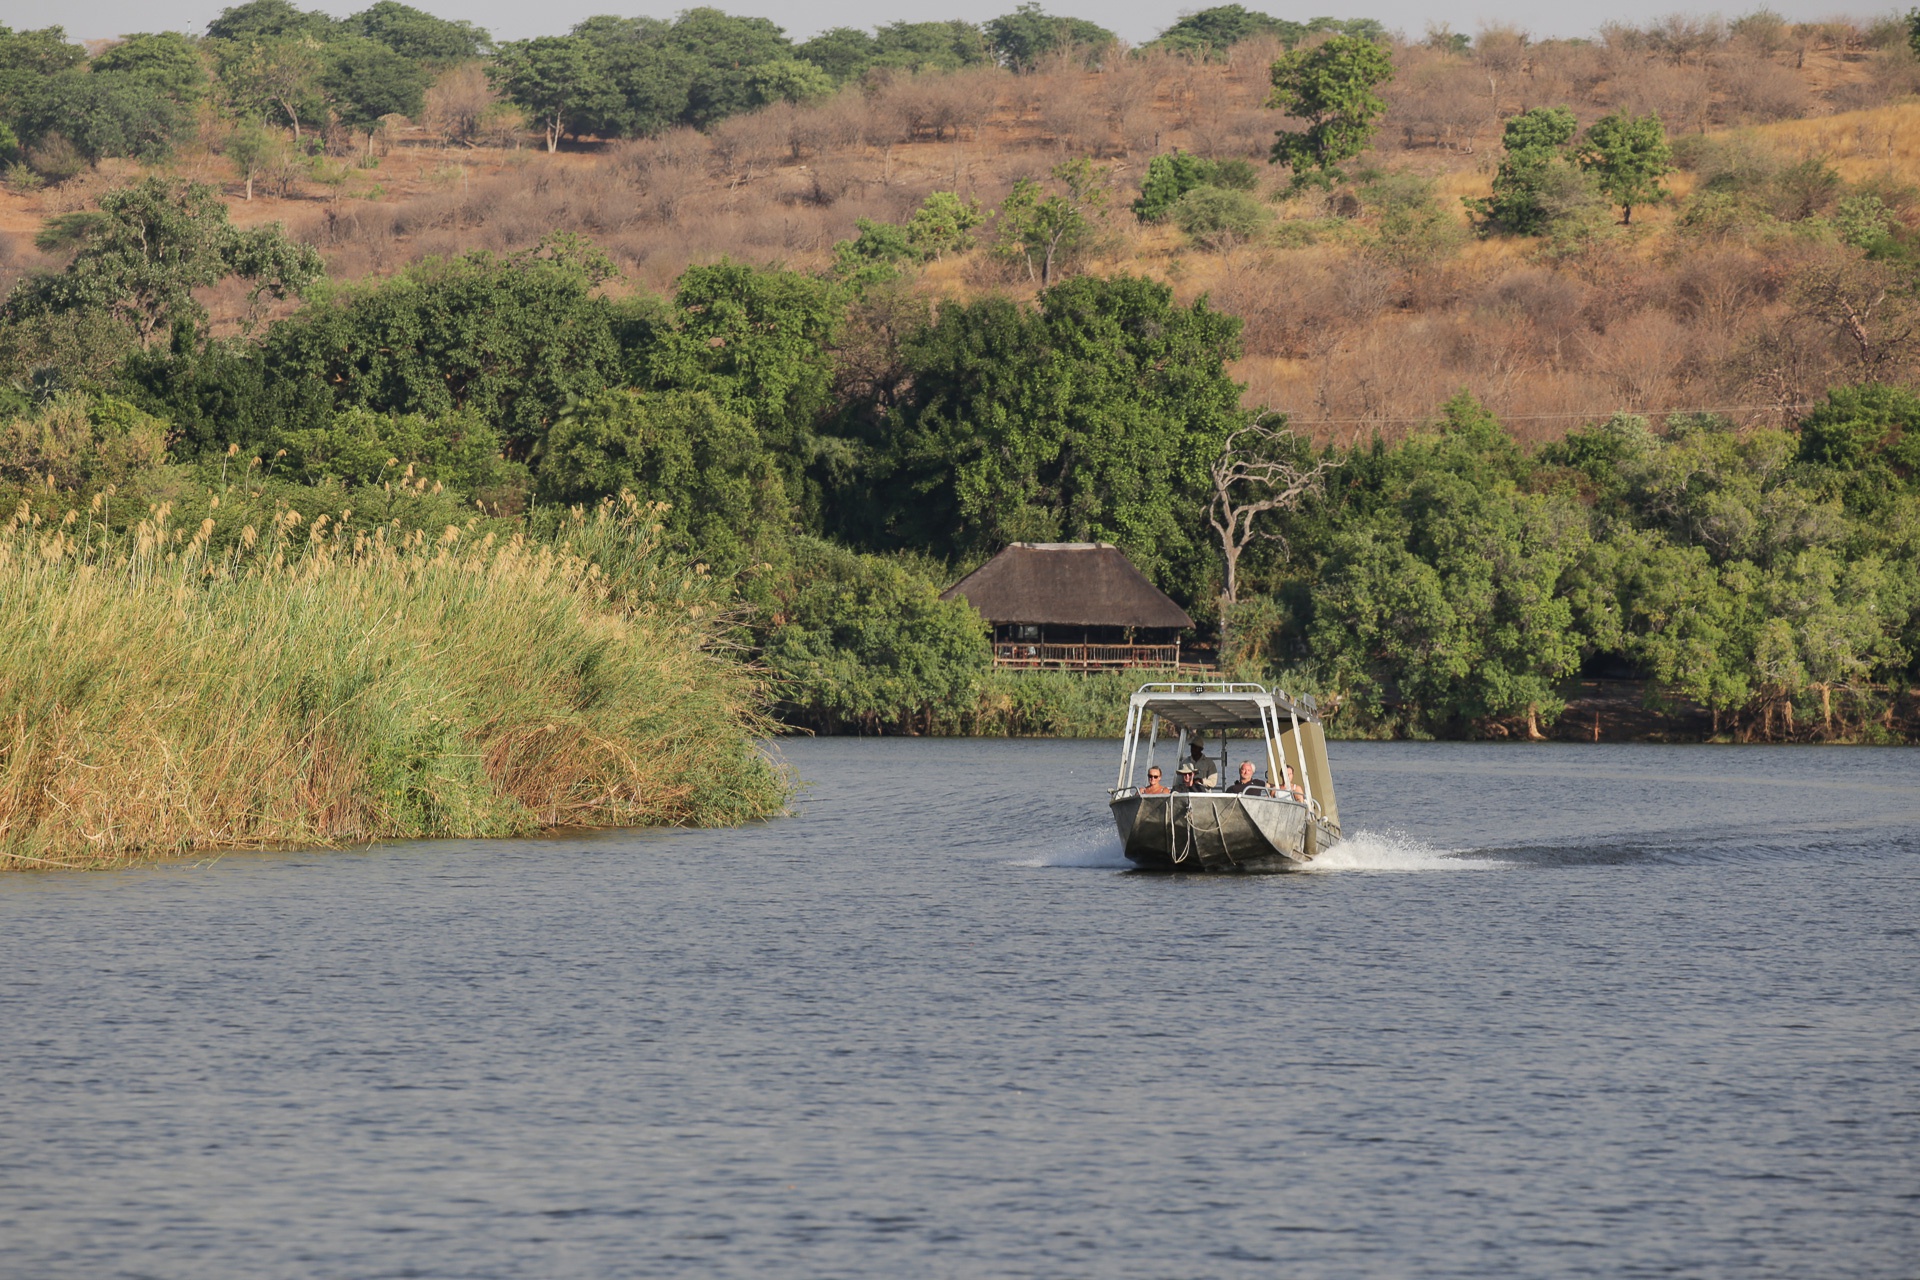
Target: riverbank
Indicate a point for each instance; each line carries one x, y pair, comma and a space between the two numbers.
308, 686
1063, 704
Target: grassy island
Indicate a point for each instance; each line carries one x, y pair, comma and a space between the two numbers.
312, 683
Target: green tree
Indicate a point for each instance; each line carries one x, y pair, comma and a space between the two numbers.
1022, 38
1535, 144
722, 48
1209, 33
1168, 178
931, 46
418, 35
265, 20
1215, 218
649, 79
154, 245
273, 78
102, 115
1448, 592
1044, 232
943, 224
1333, 87
509, 338
865, 642
844, 53
789, 80
1628, 155
365, 81
1092, 416
759, 343
558, 80
722, 492
165, 62
250, 149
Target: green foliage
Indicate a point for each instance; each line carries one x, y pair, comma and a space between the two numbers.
1209, 33
81, 443
1628, 155
944, 223
274, 79
165, 62
1022, 38
101, 115
153, 246
1534, 171
259, 20
1168, 178
359, 447
1445, 607
874, 255
844, 53
1045, 232
1214, 218
1411, 229
365, 80
704, 464
865, 642
1089, 418
509, 339
1333, 87
560, 81
789, 80
417, 35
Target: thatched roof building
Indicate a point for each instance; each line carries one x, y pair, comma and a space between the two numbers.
1067, 584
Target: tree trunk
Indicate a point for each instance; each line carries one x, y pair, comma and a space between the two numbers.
553, 135
1226, 631
1533, 724
249, 186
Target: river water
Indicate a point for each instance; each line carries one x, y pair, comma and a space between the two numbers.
1555, 1011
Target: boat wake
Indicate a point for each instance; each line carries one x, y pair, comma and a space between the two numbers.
1098, 849
1396, 851
1362, 851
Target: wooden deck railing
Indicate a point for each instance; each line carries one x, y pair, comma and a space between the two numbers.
1088, 657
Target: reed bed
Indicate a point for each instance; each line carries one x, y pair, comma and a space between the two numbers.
314, 685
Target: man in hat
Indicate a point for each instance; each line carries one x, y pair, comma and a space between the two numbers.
1188, 781
1209, 777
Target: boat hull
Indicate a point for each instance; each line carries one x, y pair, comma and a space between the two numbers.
1212, 831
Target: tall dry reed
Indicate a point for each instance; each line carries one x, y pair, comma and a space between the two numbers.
311, 686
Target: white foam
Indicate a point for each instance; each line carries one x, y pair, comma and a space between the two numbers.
1099, 848
1397, 851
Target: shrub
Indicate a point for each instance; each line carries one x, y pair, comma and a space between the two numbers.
1218, 219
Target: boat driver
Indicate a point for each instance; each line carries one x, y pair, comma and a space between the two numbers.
1202, 767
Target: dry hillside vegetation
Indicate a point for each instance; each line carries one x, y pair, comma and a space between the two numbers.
1349, 329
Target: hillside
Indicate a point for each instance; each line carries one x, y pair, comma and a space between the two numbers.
1345, 333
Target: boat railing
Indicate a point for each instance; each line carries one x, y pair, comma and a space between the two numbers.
1312, 806
1198, 686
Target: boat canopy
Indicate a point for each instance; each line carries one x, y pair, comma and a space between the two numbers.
1217, 708
1289, 727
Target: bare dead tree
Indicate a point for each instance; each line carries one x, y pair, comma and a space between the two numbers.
1253, 474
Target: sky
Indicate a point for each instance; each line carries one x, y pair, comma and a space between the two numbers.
1133, 20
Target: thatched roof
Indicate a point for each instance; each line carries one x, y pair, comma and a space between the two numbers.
1079, 584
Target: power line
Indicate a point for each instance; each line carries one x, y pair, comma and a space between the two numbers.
1540, 417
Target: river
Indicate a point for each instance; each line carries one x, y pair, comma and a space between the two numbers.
1555, 1010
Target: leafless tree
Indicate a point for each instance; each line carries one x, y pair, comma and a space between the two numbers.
1254, 473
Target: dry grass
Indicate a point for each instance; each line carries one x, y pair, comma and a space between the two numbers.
310, 688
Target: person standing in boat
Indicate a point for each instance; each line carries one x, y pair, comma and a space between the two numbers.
1202, 767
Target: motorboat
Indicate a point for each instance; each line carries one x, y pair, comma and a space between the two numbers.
1282, 822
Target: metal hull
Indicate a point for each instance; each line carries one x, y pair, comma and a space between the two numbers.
1208, 831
